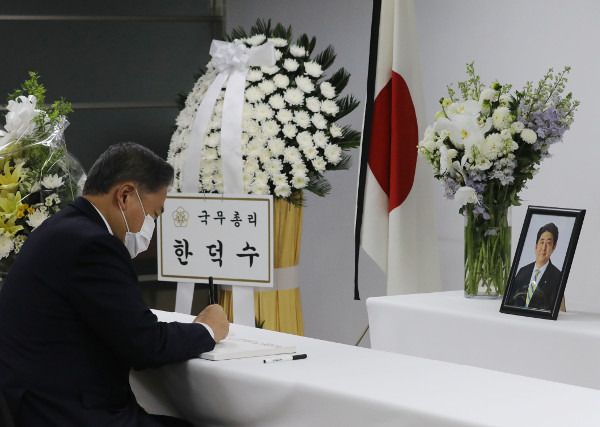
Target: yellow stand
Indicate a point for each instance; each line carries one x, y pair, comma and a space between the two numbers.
279, 310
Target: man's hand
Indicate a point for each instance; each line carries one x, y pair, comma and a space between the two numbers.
215, 317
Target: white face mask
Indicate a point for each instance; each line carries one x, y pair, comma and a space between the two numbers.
138, 242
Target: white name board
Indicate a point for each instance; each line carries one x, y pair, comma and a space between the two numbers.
227, 237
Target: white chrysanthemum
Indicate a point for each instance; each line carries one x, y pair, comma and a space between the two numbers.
305, 84
277, 146
281, 81
505, 99
279, 179
335, 130
293, 96
267, 86
277, 101
517, 127
208, 166
292, 155
297, 51
311, 152
215, 123
207, 183
319, 164
263, 112
330, 107
218, 107
278, 54
209, 154
52, 181
269, 69
6, 245
302, 118
212, 139
247, 111
283, 191
289, 130
18, 241
313, 69
256, 39
320, 139
491, 145
260, 189
488, 94
270, 128
290, 65
528, 136
278, 41
299, 181
501, 118
273, 167
251, 166
284, 115
254, 94
261, 178
251, 127
319, 121
52, 199
304, 140
313, 104
327, 90
299, 168
254, 75
254, 149
184, 118
36, 218
333, 153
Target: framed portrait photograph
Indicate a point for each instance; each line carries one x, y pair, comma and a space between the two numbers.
542, 261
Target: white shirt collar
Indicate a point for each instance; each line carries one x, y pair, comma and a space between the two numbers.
103, 219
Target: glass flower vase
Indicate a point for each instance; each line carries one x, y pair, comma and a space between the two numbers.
487, 252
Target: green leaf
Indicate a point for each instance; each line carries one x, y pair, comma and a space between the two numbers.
261, 27
326, 58
318, 185
339, 80
237, 33
281, 32
347, 104
344, 164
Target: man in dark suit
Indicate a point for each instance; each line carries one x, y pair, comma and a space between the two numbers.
536, 284
72, 319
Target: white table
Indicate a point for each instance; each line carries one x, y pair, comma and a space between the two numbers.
340, 385
449, 327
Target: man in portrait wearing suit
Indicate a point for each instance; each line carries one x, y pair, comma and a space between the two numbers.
536, 284
72, 318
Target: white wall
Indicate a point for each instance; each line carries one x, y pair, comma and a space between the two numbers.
512, 41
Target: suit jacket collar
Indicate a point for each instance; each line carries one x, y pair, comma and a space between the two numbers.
84, 206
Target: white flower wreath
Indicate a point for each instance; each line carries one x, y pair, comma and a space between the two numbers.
289, 134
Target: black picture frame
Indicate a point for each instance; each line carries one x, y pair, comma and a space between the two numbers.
546, 300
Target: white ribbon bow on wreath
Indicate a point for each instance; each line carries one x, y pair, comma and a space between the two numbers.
233, 61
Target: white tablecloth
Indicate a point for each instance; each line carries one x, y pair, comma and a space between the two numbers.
340, 385
447, 326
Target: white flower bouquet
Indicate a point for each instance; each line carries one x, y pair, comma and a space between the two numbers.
37, 175
289, 132
484, 148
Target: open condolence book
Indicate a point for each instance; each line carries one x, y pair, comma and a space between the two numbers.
236, 348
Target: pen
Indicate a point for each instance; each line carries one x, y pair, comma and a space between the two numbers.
285, 358
211, 291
